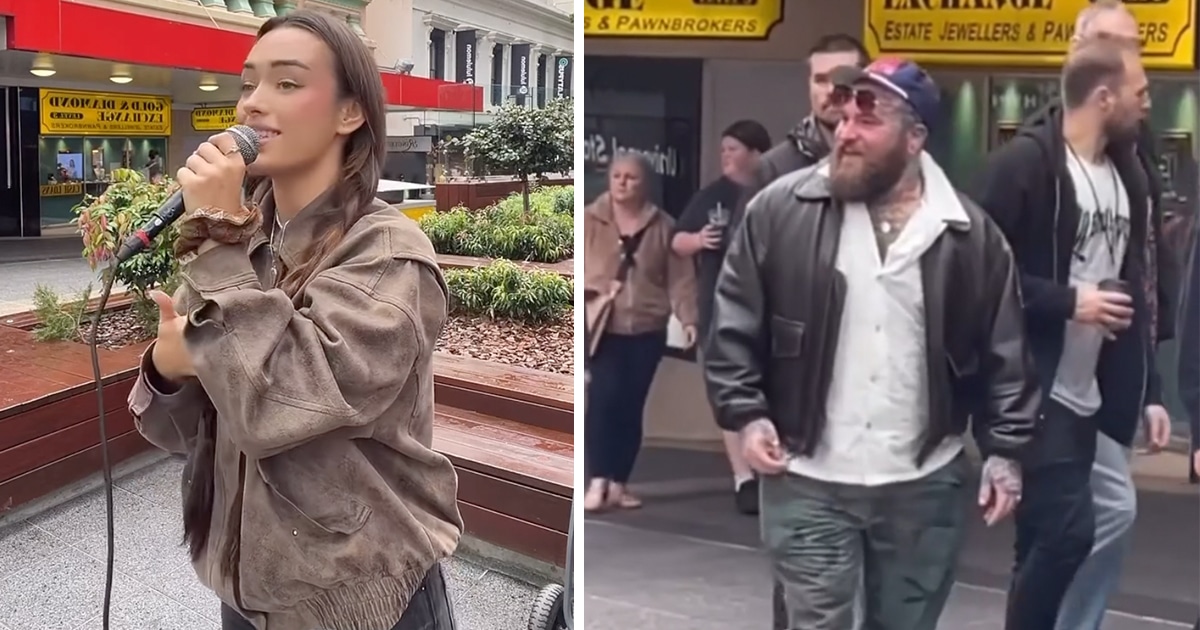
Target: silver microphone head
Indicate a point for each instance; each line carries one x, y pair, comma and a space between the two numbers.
247, 142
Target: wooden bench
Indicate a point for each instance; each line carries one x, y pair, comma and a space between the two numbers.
514, 480
542, 399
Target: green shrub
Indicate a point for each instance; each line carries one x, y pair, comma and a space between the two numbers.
503, 290
564, 200
58, 321
105, 221
503, 231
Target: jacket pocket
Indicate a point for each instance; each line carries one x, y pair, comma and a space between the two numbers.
787, 338
329, 510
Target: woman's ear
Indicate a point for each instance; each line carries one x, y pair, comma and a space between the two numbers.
351, 118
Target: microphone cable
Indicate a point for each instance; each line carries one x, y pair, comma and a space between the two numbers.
102, 420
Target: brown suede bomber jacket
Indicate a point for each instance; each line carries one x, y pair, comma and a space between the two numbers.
326, 480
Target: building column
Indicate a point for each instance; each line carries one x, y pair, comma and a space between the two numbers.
536, 81
483, 71
428, 47
506, 73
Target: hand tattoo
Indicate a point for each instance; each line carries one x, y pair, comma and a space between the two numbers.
1005, 474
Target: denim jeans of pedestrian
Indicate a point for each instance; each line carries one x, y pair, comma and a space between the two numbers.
1114, 499
1055, 523
429, 608
622, 372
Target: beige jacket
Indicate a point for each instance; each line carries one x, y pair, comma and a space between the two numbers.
326, 480
660, 282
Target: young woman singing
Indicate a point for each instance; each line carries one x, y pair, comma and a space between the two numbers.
294, 367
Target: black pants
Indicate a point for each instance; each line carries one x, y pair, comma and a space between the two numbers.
622, 370
1055, 520
429, 608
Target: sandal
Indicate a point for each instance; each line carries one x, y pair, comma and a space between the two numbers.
620, 498
596, 497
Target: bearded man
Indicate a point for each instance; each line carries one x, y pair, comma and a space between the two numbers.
867, 313
1072, 195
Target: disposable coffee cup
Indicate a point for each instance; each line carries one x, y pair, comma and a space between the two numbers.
1114, 285
718, 216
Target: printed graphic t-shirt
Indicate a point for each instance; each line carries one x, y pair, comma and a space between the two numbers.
1096, 255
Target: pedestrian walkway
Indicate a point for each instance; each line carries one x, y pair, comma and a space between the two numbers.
686, 559
52, 567
649, 580
65, 277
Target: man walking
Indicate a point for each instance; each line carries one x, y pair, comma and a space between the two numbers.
865, 312
807, 144
1073, 199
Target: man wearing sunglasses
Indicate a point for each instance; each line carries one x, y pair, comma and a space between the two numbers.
865, 312
1072, 193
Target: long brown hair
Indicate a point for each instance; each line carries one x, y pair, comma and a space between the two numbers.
362, 162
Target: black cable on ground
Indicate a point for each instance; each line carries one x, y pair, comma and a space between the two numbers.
93, 346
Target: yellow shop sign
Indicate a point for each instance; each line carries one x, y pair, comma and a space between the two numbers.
707, 19
214, 119
61, 190
71, 113
1018, 32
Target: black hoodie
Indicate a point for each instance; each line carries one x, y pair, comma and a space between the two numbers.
1027, 189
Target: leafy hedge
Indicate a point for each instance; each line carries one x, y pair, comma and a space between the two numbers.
504, 290
502, 230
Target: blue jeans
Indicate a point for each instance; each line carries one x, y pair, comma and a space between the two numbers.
1114, 499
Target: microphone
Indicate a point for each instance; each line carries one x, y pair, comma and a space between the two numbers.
247, 145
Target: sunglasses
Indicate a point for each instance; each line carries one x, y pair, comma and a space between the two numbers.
864, 100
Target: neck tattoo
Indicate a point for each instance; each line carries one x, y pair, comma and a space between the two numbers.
891, 214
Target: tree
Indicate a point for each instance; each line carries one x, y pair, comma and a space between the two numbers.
525, 142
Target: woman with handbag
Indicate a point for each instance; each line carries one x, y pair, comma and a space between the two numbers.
633, 282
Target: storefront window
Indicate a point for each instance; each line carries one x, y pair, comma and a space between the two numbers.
1173, 115
1013, 99
85, 136
958, 142
645, 106
71, 167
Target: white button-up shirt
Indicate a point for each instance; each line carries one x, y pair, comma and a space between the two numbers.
878, 402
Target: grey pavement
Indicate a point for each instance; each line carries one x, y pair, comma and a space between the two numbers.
66, 277
687, 560
52, 567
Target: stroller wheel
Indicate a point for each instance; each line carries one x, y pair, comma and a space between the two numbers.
547, 613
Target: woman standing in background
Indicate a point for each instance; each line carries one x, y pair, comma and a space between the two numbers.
638, 281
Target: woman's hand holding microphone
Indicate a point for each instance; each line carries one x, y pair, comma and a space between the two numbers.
212, 182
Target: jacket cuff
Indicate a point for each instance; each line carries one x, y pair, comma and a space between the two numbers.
735, 418
151, 386
1062, 303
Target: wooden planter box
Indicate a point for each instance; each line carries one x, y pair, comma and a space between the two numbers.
49, 424
479, 195
508, 431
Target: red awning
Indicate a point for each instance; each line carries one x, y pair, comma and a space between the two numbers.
82, 30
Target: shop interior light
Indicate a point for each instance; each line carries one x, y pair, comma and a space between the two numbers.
208, 83
121, 74
43, 66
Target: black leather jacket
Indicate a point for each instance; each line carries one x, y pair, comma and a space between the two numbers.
778, 310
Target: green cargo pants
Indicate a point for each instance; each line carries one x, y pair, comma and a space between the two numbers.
900, 542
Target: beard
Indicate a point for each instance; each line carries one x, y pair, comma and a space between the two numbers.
860, 178
1121, 131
